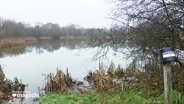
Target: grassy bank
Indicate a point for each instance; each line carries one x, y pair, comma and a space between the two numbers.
108, 85
117, 97
9, 42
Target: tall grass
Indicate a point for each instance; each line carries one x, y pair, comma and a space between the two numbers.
110, 78
59, 82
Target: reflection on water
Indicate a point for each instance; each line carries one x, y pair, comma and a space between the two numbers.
12, 51
29, 63
49, 45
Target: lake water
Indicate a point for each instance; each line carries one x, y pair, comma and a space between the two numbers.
29, 63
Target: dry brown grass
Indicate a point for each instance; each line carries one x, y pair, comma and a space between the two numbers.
106, 79
2, 76
5, 87
10, 42
59, 82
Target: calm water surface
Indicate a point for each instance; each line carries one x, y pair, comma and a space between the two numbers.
31, 62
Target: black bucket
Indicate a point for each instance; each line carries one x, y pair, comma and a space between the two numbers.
167, 55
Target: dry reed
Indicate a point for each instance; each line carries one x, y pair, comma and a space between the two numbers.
59, 82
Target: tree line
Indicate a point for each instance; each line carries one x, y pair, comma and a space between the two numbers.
19, 29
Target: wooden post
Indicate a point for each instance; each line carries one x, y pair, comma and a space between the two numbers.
167, 83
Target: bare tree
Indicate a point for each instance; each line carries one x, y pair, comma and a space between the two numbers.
151, 25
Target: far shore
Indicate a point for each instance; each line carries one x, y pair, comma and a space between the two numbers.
9, 42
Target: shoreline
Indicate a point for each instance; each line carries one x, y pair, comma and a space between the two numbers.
9, 42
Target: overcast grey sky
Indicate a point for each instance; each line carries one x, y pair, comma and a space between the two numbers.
86, 13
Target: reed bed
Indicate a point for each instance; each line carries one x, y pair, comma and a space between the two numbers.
59, 82
110, 85
11, 42
109, 78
